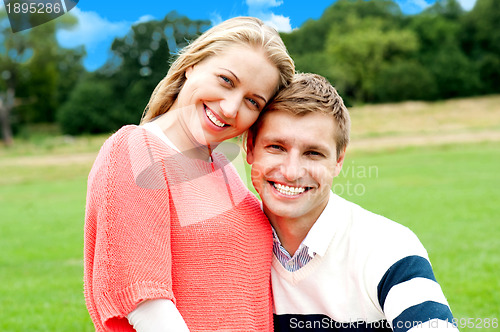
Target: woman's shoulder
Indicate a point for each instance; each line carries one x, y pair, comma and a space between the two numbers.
133, 144
126, 132
135, 138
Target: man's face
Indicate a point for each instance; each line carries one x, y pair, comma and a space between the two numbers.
294, 161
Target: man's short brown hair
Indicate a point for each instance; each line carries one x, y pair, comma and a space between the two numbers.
311, 93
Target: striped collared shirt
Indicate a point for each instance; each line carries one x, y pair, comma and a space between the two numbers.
299, 259
315, 243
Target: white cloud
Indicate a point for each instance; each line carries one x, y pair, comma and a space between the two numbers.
95, 33
279, 22
262, 10
467, 4
416, 6
413, 6
91, 30
215, 18
145, 18
263, 3
420, 3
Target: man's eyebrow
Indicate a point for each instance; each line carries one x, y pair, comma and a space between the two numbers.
324, 150
282, 141
238, 80
273, 139
316, 147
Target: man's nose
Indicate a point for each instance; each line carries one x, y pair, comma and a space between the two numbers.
292, 168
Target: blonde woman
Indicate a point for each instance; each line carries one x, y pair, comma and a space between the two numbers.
174, 241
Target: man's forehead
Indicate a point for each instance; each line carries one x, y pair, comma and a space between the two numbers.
293, 130
285, 121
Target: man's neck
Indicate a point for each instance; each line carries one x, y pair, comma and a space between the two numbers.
290, 231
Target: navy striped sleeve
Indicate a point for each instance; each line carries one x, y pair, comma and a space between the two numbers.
403, 270
422, 313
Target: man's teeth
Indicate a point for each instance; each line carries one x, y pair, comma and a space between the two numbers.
286, 190
214, 119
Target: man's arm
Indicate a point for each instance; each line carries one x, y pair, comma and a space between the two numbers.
158, 315
412, 299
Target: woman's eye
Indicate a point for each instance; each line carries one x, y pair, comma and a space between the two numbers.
254, 103
226, 80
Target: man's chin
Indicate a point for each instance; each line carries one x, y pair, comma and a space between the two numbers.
281, 211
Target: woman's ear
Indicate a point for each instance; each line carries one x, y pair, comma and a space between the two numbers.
188, 71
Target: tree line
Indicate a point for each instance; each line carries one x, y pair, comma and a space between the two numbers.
369, 50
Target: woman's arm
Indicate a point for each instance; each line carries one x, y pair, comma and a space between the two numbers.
158, 315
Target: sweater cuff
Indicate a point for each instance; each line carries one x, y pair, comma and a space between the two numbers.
117, 305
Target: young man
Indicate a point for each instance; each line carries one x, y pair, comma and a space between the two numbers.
335, 265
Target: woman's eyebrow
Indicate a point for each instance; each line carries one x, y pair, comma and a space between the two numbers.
260, 97
232, 73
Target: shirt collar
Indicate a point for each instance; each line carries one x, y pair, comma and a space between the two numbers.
321, 233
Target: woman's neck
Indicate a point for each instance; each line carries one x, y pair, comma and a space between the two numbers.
174, 127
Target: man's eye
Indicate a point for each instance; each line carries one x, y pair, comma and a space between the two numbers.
314, 153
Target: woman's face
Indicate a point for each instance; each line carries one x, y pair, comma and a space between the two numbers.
224, 94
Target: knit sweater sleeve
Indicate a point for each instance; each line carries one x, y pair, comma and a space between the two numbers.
127, 229
400, 279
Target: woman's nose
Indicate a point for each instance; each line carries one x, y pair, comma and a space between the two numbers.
231, 105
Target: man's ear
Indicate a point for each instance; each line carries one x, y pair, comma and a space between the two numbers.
340, 162
250, 145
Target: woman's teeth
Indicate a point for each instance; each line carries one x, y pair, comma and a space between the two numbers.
290, 191
212, 118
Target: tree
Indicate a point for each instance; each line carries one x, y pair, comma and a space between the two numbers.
29, 66
361, 48
313, 34
405, 80
14, 52
439, 30
448, 9
313, 45
139, 61
89, 108
481, 42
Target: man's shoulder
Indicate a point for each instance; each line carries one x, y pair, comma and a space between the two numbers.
375, 226
372, 235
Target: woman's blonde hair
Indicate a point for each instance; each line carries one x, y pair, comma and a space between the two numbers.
247, 31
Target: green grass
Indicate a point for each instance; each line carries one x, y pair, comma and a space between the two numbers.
448, 195
41, 249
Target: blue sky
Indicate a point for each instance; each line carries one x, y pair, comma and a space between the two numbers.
102, 21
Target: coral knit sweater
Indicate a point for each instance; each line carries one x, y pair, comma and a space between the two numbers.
161, 225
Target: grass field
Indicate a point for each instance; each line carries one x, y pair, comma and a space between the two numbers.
448, 194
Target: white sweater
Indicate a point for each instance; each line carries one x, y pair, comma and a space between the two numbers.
368, 273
